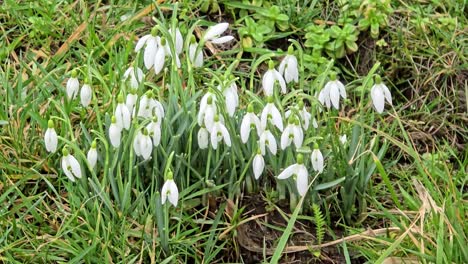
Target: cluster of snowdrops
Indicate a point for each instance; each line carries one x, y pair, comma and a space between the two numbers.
148, 111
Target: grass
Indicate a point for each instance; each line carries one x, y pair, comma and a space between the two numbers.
395, 192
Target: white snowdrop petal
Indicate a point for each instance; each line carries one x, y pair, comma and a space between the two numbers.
298, 136
146, 147
66, 168
268, 82
378, 99
159, 60
335, 96
74, 166
173, 193
276, 117
72, 88
387, 94
285, 140
215, 30
258, 165
114, 135
288, 172
86, 95
272, 146
302, 180
341, 88
222, 40
202, 137
225, 134
280, 79
51, 140
141, 42
317, 160
150, 52
92, 157
245, 129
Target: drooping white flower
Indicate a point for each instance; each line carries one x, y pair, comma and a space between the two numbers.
299, 171
317, 160
219, 133
292, 133
379, 94
136, 76
170, 192
288, 67
73, 85
203, 138
231, 97
258, 165
330, 94
50, 137
70, 165
115, 133
267, 140
92, 155
304, 116
142, 144
207, 111
195, 54
154, 130
343, 139
269, 79
149, 106
213, 34
122, 114
271, 114
86, 94
151, 44
179, 40
132, 97
249, 122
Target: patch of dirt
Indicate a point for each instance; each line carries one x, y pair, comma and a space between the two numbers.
258, 238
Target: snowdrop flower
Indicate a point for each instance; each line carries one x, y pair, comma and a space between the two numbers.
218, 133
151, 41
288, 67
179, 40
269, 79
114, 133
142, 144
231, 98
154, 130
195, 55
343, 139
203, 138
304, 116
132, 97
136, 76
50, 137
267, 140
122, 114
72, 86
70, 165
292, 132
86, 94
299, 172
271, 114
213, 33
149, 106
314, 123
92, 155
379, 94
258, 165
330, 94
249, 122
170, 191
317, 159
207, 111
